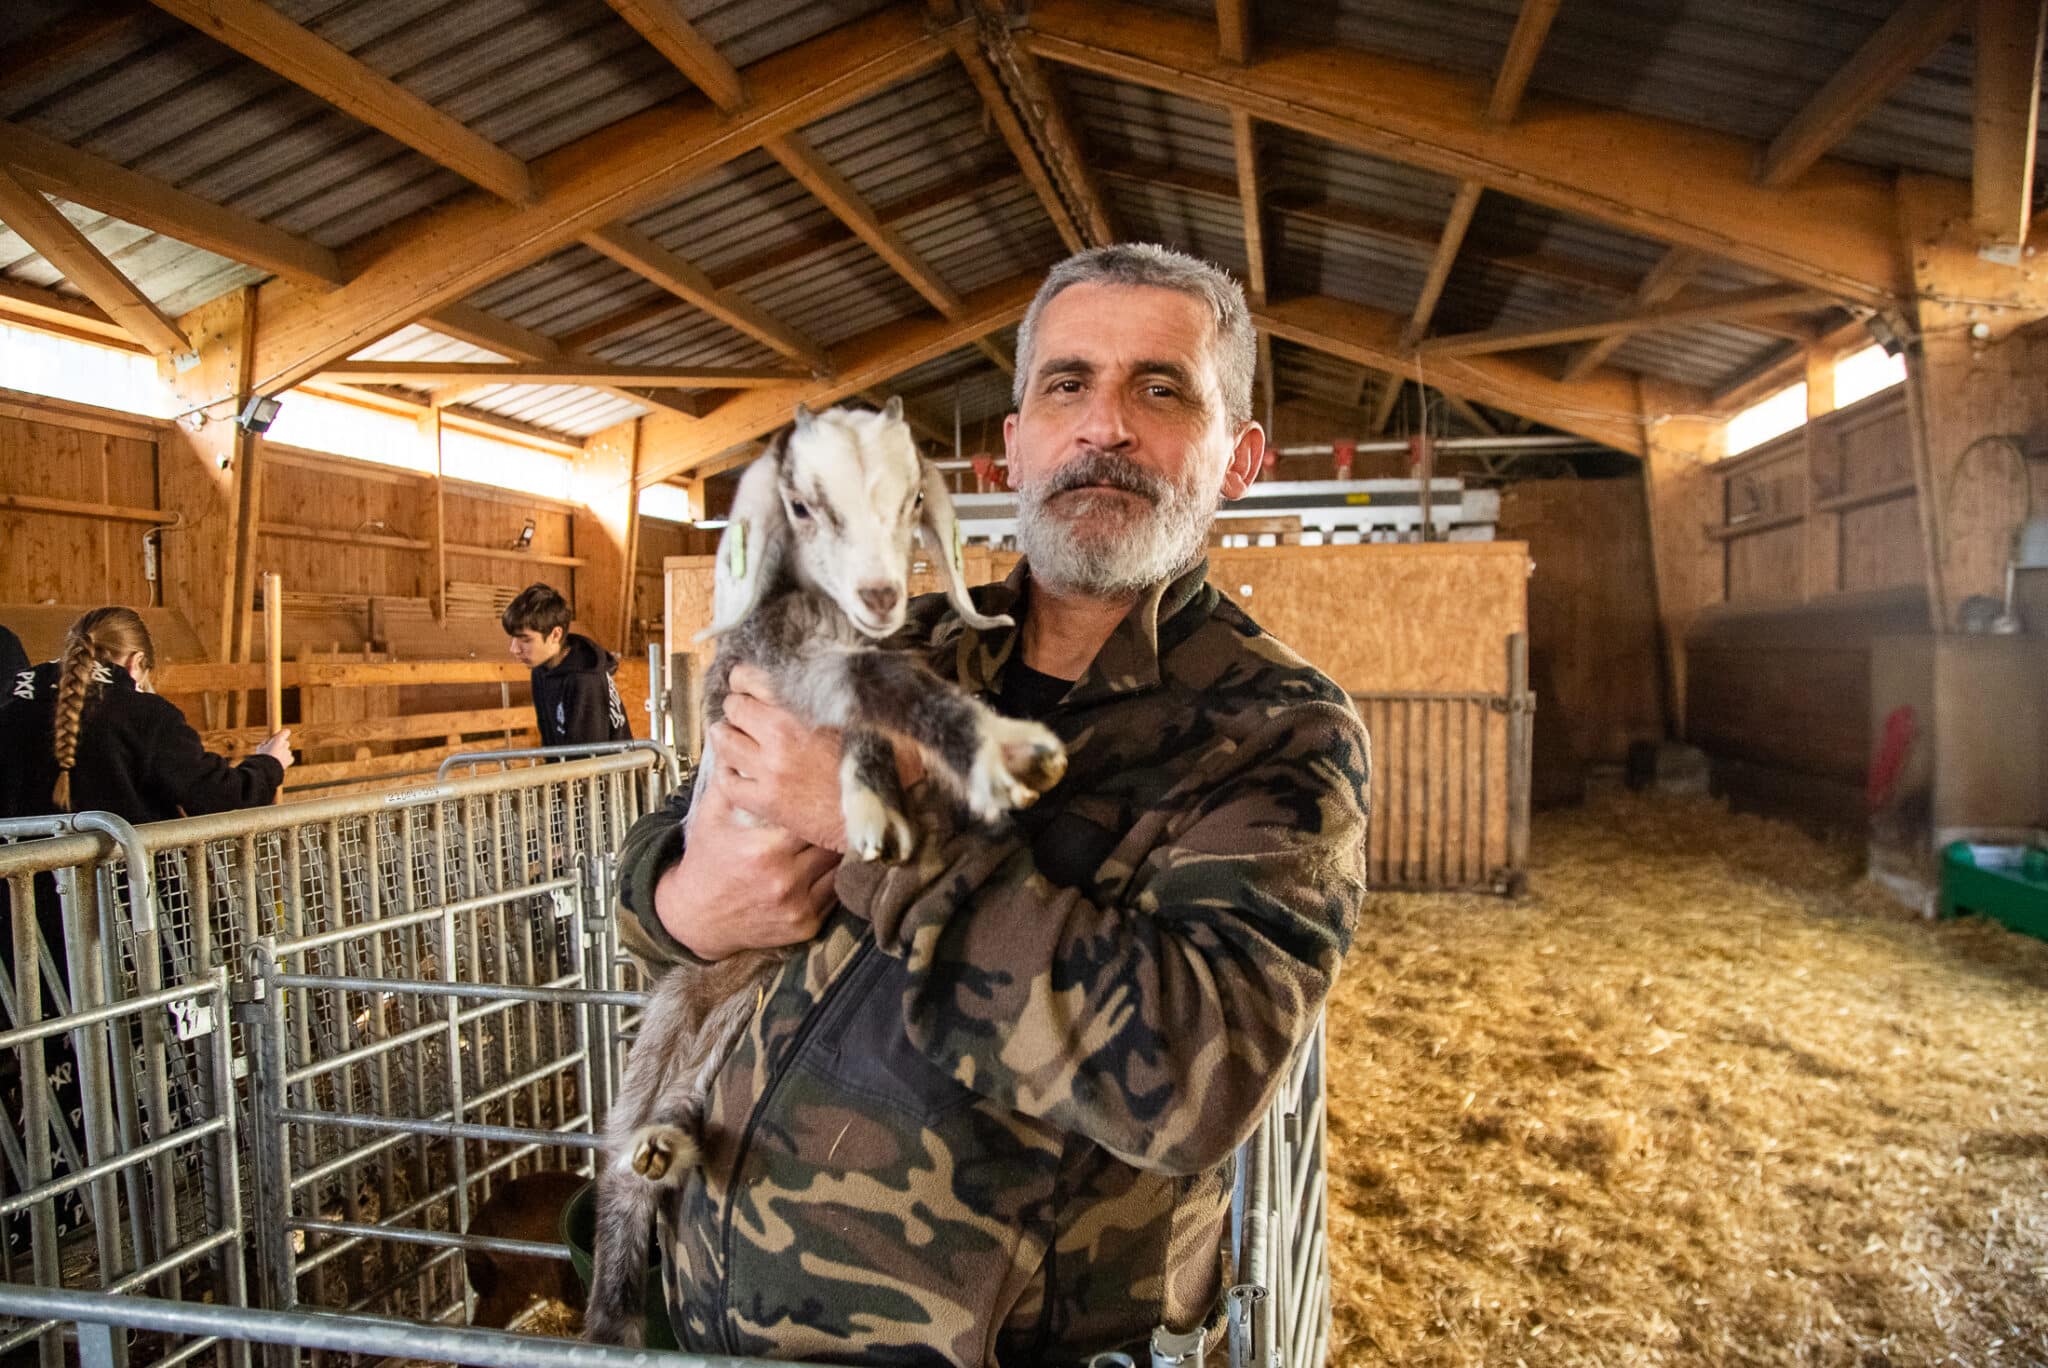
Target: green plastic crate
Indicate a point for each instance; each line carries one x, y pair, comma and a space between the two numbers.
2006, 882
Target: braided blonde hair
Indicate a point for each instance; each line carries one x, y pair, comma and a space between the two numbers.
103, 636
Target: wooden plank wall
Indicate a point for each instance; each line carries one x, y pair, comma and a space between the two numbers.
59, 558
1593, 658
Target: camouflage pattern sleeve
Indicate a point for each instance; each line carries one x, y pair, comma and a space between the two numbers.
1151, 1007
652, 845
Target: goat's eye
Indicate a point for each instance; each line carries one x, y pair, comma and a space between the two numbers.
797, 510
918, 502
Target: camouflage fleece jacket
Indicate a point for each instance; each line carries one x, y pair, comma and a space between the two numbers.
991, 1115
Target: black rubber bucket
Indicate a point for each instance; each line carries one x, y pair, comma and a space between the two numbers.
579, 1232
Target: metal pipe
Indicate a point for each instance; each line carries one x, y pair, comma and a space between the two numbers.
445, 1130
494, 992
368, 1336
585, 751
441, 1239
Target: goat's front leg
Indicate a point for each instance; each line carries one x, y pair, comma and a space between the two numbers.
996, 763
871, 798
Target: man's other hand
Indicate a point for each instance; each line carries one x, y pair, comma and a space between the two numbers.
775, 767
741, 886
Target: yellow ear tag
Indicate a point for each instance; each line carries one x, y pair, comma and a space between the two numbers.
959, 564
736, 559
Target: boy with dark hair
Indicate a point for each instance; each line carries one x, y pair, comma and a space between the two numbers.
573, 693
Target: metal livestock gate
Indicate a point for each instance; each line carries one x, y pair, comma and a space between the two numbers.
270, 1063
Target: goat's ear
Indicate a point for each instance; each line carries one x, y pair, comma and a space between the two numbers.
893, 410
803, 417
751, 551
941, 533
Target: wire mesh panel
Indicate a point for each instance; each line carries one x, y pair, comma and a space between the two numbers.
1278, 1315
114, 1181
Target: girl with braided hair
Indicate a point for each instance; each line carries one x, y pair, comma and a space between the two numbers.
84, 732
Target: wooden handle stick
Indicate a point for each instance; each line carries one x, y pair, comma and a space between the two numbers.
273, 650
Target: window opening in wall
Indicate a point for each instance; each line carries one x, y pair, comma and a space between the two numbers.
1864, 373
1767, 418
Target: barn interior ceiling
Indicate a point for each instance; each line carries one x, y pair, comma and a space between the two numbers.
564, 214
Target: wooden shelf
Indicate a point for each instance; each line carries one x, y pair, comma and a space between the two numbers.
1857, 498
73, 508
343, 537
1755, 525
505, 553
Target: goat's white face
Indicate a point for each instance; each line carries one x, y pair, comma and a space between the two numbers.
852, 490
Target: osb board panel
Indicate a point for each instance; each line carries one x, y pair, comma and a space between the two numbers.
1767, 565
1991, 731
1390, 619
1882, 546
1592, 612
64, 559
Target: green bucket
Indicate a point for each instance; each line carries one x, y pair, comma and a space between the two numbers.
579, 1232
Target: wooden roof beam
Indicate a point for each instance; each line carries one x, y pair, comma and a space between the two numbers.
2005, 120
997, 102
1689, 186
687, 50
56, 238
46, 309
1383, 406
1244, 138
869, 361
1532, 26
1858, 86
83, 178
443, 254
1727, 306
1234, 31
642, 255
1045, 114
1601, 407
846, 204
1442, 260
537, 373
1672, 273
266, 37
998, 355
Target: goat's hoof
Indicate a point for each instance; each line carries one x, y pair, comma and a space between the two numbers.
662, 1151
1032, 754
876, 831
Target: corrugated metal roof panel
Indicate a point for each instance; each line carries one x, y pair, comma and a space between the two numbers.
1313, 259
575, 410
1294, 161
747, 206
978, 242
1706, 354
911, 137
415, 342
176, 276
1205, 225
688, 338
1149, 125
565, 291
748, 30
839, 294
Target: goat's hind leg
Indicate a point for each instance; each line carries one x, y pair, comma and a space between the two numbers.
871, 798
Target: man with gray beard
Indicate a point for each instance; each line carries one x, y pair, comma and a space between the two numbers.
990, 1114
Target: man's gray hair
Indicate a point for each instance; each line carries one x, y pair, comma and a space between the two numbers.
1236, 346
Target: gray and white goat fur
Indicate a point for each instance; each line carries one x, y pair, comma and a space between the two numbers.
811, 582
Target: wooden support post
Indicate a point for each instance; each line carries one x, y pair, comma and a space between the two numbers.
437, 526
273, 651
1823, 529
629, 581
1688, 565
1974, 392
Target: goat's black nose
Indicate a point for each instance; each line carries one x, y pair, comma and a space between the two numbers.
880, 598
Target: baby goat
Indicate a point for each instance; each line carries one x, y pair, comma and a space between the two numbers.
811, 579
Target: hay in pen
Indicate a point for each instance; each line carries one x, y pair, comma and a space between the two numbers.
1705, 1097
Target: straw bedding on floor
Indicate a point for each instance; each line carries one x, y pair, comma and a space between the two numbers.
1704, 1097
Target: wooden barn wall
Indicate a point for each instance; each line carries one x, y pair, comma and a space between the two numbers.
54, 558
1822, 554
1593, 659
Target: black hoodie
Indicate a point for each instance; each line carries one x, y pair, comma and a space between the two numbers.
137, 755
575, 699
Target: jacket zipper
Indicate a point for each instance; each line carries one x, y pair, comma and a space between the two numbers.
739, 1165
